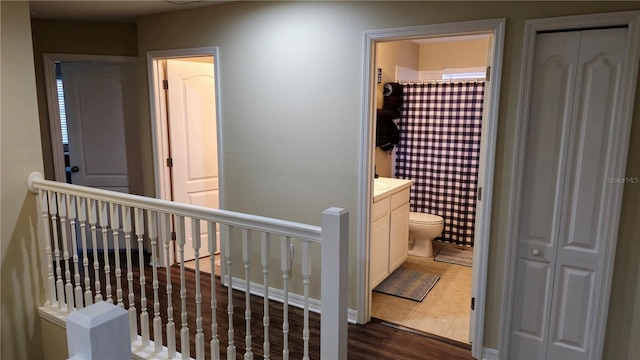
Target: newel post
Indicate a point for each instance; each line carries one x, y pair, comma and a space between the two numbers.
334, 287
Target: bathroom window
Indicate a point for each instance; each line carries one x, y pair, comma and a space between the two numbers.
479, 75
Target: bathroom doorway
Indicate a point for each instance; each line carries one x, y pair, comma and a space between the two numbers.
405, 44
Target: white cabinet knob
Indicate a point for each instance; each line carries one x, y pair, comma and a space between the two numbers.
536, 252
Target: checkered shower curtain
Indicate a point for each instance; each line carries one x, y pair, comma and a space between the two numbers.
439, 150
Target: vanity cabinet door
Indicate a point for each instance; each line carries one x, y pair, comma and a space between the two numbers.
399, 236
379, 251
379, 255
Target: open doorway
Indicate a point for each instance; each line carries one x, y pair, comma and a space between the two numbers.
489, 33
186, 137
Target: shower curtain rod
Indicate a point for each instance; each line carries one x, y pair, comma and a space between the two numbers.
448, 81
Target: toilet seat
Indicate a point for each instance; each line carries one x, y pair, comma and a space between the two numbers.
424, 219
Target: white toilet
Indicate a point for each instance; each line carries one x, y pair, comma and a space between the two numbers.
422, 229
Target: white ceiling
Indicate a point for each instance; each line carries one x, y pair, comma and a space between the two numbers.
114, 10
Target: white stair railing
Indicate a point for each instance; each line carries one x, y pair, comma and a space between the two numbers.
90, 226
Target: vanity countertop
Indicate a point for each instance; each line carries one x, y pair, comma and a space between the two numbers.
383, 187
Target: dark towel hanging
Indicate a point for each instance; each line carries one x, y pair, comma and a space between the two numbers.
392, 98
387, 133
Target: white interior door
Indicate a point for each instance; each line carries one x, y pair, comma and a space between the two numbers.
193, 137
98, 103
561, 244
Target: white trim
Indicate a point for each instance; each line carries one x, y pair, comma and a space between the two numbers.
160, 132
50, 59
630, 74
496, 27
490, 354
276, 294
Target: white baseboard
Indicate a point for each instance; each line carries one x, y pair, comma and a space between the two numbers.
278, 295
489, 354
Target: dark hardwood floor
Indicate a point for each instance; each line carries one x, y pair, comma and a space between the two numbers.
375, 340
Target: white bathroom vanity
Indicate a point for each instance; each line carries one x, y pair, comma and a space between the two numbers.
389, 228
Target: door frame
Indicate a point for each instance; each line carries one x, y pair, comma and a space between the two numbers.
631, 19
50, 59
495, 27
158, 121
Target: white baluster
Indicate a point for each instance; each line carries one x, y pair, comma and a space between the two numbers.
167, 237
306, 273
93, 219
44, 208
144, 315
266, 250
286, 268
184, 330
246, 236
231, 348
133, 315
215, 343
53, 210
196, 242
68, 287
103, 217
82, 217
152, 222
114, 211
71, 206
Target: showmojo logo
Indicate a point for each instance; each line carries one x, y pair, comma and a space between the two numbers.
624, 180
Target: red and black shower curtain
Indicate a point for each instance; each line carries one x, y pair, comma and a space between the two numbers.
439, 149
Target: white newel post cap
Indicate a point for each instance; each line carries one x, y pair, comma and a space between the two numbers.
99, 331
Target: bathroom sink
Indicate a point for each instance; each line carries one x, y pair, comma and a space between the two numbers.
379, 185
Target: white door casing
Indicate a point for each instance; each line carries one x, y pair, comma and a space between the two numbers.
193, 138
98, 104
567, 251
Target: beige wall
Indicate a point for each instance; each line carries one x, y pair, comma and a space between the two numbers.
388, 56
21, 285
453, 54
291, 80
74, 37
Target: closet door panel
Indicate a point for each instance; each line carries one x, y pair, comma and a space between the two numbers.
597, 86
544, 169
571, 325
581, 247
551, 99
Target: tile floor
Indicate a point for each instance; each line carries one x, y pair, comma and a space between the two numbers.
444, 311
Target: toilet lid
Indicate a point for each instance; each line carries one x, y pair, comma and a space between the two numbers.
423, 218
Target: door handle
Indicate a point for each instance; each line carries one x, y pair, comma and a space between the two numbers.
536, 252
75, 169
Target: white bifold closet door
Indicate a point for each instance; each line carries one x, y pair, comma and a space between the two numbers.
561, 241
